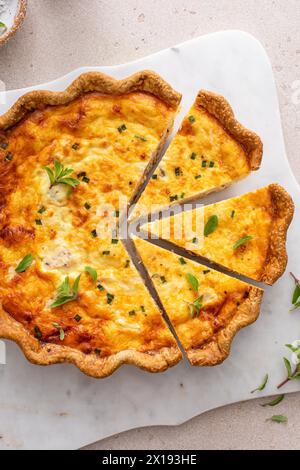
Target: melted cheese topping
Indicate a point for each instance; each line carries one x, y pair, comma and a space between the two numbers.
221, 294
107, 141
202, 158
250, 215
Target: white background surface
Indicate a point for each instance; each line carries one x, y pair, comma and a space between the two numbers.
111, 32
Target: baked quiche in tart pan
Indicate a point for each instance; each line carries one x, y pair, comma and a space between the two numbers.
67, 293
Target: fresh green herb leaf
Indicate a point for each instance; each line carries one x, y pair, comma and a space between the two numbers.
211, 225
2, 25
288, 367
41, 210
242, 241
92, 272
274, 402
296, 293
278, 419
65, 293
196, 306
182, 260
24, 264
262, 385
193, 281
192, 119
61, 331
60, 175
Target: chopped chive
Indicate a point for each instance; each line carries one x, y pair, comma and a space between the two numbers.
232, 214
182, 195
178, 171
38, 222
106, 252
140, 137
94, 233
85, 179
97, 351
192, 119
197, 177
142, 308
100, 287
87, 205
117, 213
9, 156
114, 241
110, 298
3, 145
122, 128
193, 156
131, 313
154, 177
77, 318
41, 210
195, 240
182, 260
206, 271
204, 163
173, 198
163, 279
81, 174
75, 146
127, 263
211, 164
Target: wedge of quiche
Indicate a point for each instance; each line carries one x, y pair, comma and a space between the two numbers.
245, 234
68, 290
205, 307
210, 151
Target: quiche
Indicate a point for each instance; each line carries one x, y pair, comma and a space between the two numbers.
205, 307
210, 151
68, 290
245, 234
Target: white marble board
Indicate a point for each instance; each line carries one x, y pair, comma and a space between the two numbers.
58, 407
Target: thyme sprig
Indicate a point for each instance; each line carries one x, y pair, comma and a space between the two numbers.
60, 175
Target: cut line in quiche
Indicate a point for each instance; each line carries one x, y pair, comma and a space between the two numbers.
244, 234
211, 151
206, 308
67, 293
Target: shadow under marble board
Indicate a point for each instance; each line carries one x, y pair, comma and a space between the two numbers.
58, 407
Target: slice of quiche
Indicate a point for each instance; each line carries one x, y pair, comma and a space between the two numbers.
245, 234
210, 151
68, 291
205, 307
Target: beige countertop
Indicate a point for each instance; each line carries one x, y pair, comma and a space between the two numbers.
58, 36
